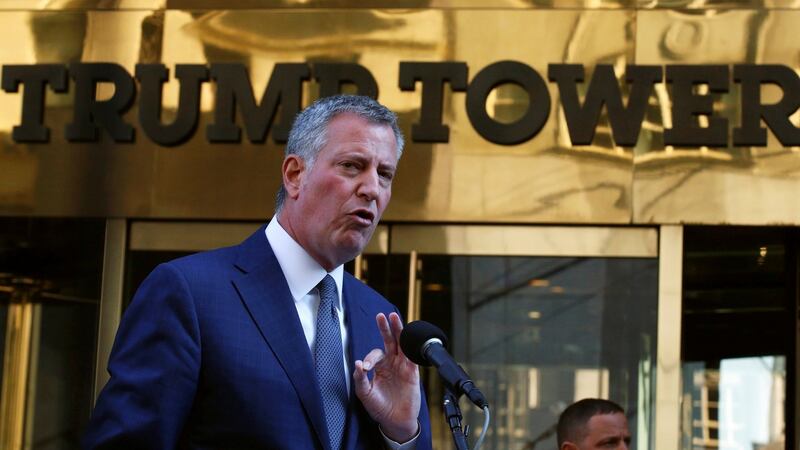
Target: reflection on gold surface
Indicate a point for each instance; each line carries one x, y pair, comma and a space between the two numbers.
321, 34
76, 5
745, 185
110, 308
543, 180
187, 236
17, 189
402, 4
465, 179
16, 373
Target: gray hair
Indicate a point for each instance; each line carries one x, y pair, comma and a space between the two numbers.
309, 131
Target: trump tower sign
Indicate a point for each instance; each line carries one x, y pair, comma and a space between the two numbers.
271, 113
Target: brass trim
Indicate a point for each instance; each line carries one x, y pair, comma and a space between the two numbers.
16, 359
358, 269
81, 5
188, 236
637, 242
198, 236
668, 361
110, 310
413, 291
379, 244
33, 374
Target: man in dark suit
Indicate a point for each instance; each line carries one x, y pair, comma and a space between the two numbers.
252, 346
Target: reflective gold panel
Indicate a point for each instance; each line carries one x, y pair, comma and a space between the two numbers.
398, 4
469, 178
75, 5
743, 185
544, 179
198, 236
670, 261
524, 241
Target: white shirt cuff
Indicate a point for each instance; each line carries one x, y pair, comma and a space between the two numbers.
392, 445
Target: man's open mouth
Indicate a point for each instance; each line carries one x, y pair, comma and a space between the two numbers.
366, 216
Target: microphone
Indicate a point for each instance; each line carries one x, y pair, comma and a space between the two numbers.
424, 344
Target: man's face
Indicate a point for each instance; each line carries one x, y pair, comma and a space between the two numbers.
342, 197
606, 431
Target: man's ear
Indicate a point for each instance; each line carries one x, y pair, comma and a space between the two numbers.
293, 170
567, 445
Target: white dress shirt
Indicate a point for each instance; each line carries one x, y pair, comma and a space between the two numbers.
303, 274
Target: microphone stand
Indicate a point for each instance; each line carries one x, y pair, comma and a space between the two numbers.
453, 415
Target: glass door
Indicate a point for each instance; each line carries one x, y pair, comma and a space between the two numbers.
739, 347
50, 283
539, 316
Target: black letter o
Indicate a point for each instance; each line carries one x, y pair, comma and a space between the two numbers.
529, 124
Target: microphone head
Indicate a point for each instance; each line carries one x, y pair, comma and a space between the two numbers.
413, 339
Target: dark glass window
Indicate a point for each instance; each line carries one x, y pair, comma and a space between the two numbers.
738, 338
536, 334
50, 281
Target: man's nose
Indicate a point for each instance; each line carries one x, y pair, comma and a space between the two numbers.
369, 185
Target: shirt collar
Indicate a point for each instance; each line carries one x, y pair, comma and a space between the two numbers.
301, 271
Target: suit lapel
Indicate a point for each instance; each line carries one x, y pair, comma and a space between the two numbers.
266, 296
358, 322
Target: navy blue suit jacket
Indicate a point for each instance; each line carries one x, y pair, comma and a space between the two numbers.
210, 354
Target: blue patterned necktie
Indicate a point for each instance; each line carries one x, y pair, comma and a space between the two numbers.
329, 363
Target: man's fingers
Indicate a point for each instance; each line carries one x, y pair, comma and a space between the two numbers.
389, 339
360, 380
373, 358
396, 325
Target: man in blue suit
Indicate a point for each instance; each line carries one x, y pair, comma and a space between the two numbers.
233, 348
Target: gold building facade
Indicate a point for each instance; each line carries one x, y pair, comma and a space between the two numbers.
664, 277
